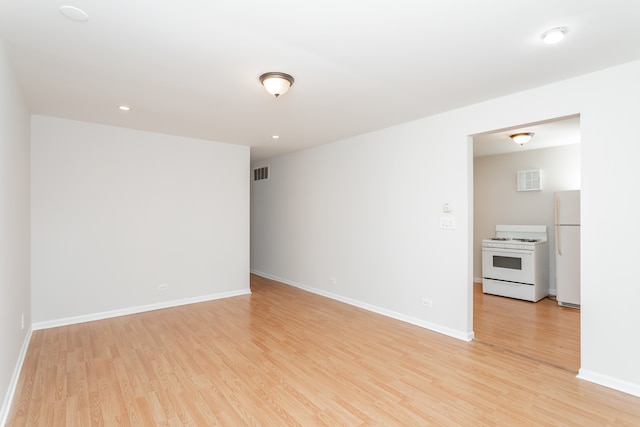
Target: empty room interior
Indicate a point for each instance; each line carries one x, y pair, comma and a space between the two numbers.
361, 213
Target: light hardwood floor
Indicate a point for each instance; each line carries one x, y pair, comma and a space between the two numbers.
543, 331
282, 356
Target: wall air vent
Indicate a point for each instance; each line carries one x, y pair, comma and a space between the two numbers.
261, 173
529, 180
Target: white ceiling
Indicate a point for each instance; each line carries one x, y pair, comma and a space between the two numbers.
563, 131
191, 67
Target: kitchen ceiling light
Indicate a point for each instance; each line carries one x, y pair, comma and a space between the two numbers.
124, 107
276, 83
521, 138
554, 35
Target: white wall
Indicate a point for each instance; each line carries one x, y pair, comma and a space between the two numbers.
365, 211
117, 212
14, 231
497, 201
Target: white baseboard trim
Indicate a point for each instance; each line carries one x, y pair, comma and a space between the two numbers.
375, 309
11, 391
134, 310
610, 382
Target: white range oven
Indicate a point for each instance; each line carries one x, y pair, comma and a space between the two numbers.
515, 263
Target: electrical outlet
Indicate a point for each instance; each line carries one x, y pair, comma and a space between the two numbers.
333, 280
163, 286
427, 303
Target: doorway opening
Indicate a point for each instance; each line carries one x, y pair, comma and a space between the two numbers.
544, 330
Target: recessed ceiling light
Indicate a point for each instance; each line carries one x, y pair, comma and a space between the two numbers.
74, 13
554, 35
124, 107
275, 136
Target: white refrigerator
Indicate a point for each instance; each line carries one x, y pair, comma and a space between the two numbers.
567, 250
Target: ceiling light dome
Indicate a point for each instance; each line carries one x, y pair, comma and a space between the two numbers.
554, 35
521, 138
276, 83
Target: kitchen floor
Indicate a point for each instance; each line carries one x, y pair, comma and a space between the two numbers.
541, 331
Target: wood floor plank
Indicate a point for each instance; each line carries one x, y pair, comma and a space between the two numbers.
543, 331
282, 356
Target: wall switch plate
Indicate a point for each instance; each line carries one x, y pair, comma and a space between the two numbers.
163, 287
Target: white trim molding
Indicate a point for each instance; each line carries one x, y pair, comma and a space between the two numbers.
388, 313
134, 310
13, 384
610, 382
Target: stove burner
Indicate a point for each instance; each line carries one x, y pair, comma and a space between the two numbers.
514, 239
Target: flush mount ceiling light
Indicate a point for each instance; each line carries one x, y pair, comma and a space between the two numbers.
276, 83
521, 138
74, 13
124, 108
554, 35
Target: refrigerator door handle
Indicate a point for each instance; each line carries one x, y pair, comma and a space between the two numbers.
558, 239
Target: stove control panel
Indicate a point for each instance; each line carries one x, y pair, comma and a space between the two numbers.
508, 245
